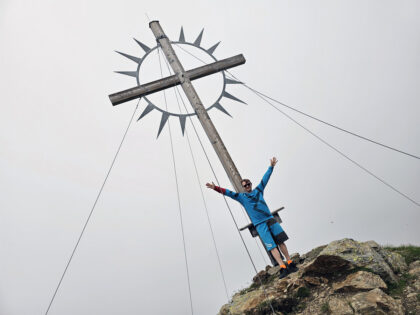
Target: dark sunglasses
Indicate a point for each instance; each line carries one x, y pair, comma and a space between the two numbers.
247, 185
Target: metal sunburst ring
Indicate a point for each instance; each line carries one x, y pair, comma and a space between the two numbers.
166, 114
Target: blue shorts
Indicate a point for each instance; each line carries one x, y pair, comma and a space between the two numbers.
271, 233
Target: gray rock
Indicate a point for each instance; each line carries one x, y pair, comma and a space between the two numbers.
373, 245
339, 306
375, 302
394, 260
273, 270
315, 281
415, 268
295, 257
312, 254
360, 255
326, 265
261, 277
415, 273
360, 281
415, 264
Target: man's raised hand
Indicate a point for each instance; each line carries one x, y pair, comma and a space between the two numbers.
273, 161
211, 186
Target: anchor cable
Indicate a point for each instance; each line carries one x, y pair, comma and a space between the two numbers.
227, 204
332, 125
218, 183
177, 191
311, 116
215, 176
261, 95
334, 148
201, 191
230, 210
93, 208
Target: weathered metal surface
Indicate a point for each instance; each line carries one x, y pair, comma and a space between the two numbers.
142, 90
161, 84
207, 124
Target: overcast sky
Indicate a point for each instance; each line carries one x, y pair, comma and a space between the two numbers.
352, 63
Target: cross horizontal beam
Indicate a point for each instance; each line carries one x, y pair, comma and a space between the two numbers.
173, 80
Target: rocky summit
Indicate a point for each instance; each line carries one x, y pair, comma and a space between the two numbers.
343, 277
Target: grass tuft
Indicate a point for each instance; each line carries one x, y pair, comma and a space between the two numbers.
252, 287
303, 292
325, 308
397, 288
409, 252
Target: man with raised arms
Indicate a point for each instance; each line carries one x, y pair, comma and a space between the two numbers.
267, 227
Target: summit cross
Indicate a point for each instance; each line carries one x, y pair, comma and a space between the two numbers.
184, 78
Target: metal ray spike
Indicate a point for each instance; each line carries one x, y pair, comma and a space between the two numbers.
229, 81
147, 110
143, 46
197, 42
135, 59
129, 73
163, 121
182, 120
226, 94
222, 109
182, 36
213, 48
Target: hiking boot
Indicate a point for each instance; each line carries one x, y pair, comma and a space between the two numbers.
283, 273
292, 267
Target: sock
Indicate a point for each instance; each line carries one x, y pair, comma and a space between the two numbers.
283, 266
289, 262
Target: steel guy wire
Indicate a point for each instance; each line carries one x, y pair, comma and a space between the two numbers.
335, 149
230, 211
311, 116
177, 191
261, 95
93, 208
202, 193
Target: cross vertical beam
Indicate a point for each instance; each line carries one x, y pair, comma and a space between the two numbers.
207, 124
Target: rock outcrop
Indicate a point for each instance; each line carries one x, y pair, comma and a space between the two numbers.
342, 277
360, 281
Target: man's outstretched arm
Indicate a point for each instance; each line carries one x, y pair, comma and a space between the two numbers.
267, 175
223, 191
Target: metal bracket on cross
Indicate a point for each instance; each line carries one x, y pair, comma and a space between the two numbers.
254, 233
253, 230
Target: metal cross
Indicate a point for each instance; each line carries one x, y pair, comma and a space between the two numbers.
184, 78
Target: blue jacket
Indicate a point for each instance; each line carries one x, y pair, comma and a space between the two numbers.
253, 202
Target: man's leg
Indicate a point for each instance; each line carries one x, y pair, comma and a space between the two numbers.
276, 254
290, 264
284, 271
280, 237
285, 252
269, 242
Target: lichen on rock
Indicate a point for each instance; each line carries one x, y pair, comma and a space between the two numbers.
342, 277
